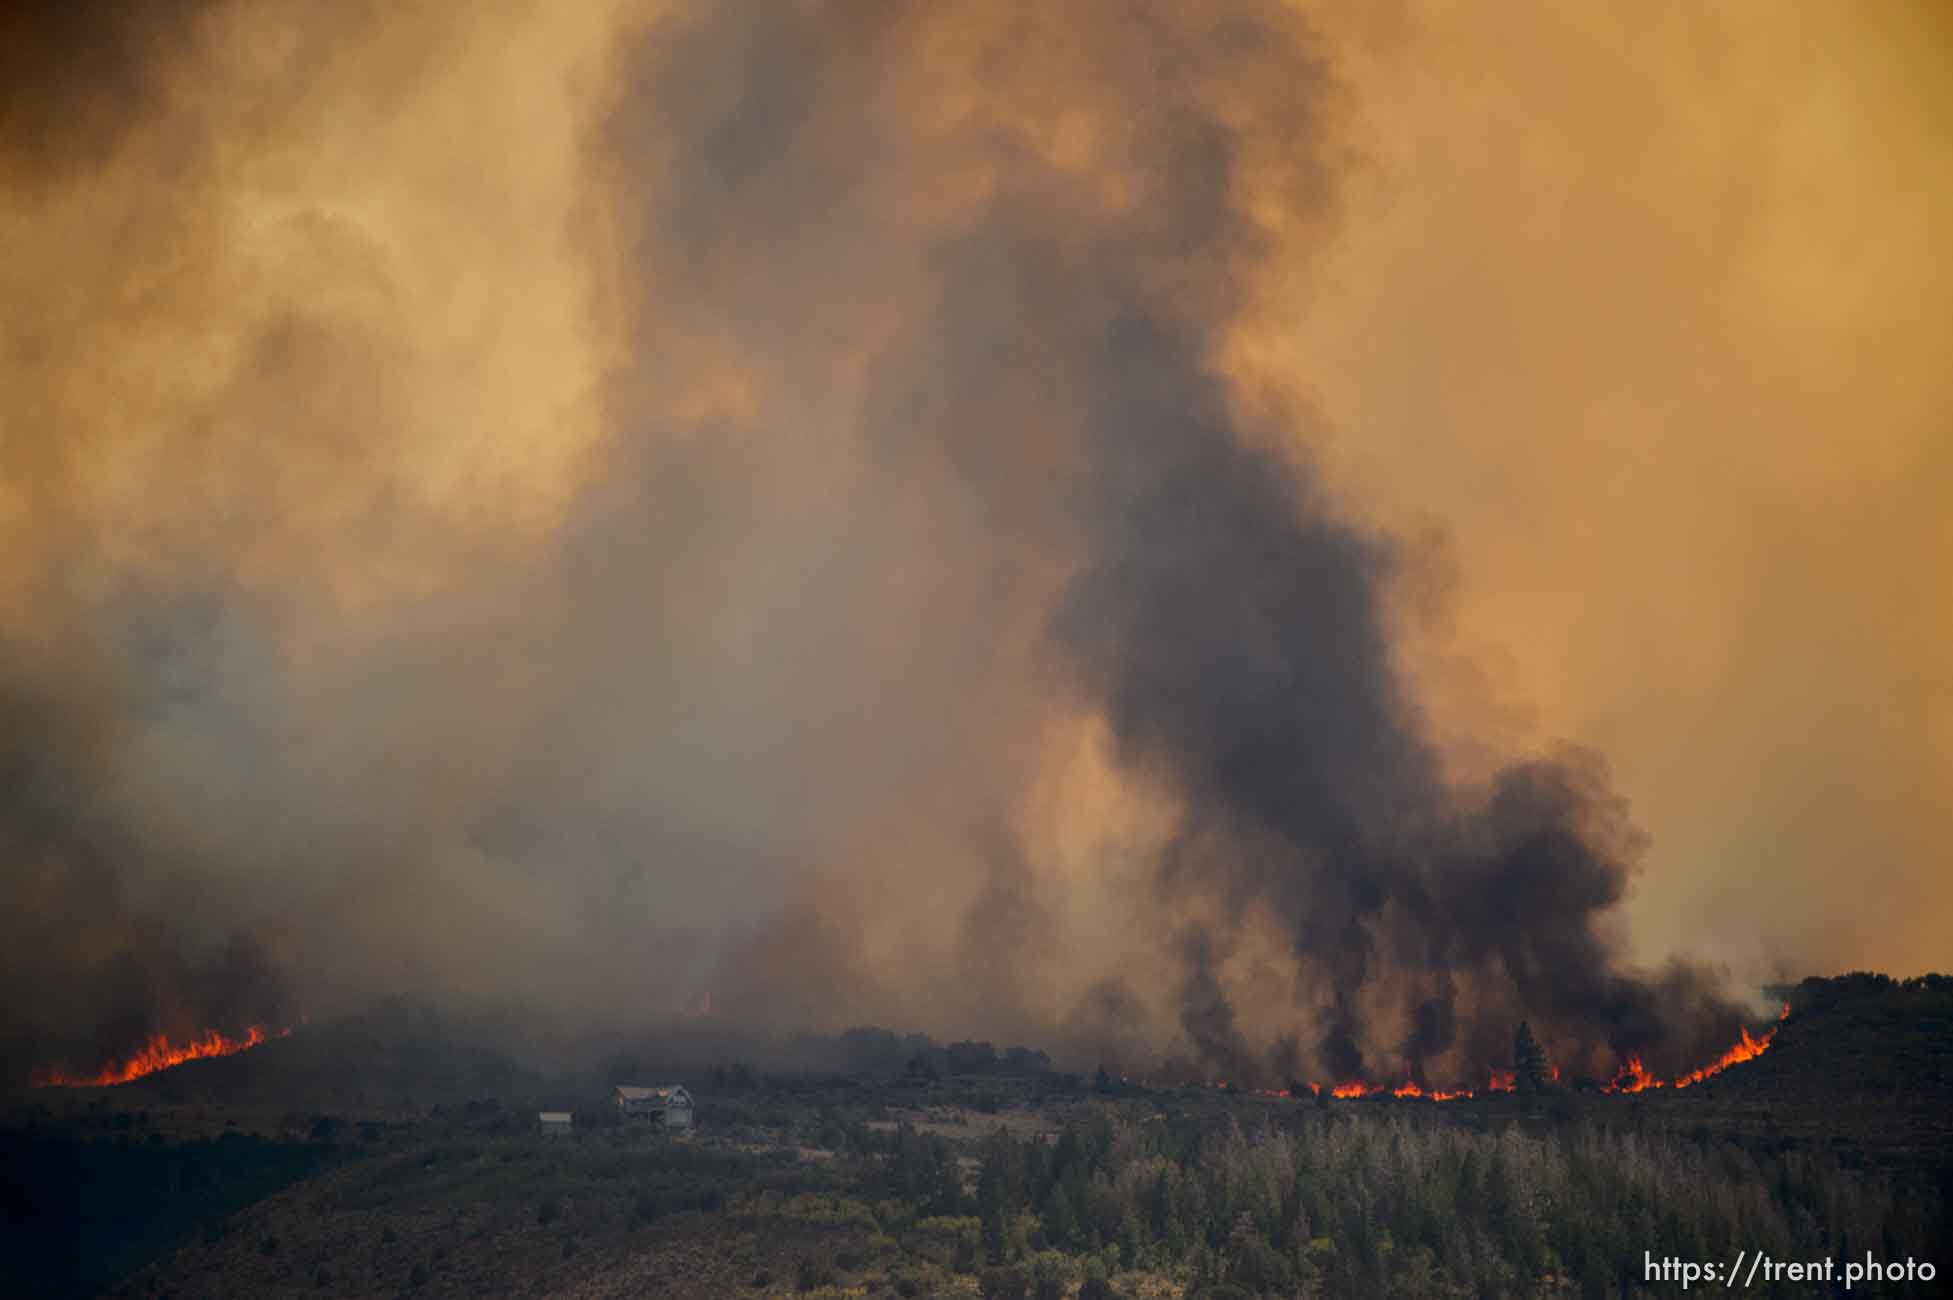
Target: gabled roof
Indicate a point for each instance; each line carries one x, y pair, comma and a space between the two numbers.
665, 1093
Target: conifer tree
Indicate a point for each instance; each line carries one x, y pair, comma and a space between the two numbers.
1528, 1060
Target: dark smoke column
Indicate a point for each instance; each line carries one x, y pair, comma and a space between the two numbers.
1061, 363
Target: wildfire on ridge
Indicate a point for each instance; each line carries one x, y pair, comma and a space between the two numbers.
159, 1053
1633, 1076
1501, 1082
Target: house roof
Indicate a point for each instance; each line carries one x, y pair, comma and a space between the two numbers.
666, 1093
553, 1116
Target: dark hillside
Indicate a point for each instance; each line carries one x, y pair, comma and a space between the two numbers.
1861, 1071
1859, 1034
393, 1058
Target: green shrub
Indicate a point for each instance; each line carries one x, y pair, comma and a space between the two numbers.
949, 1229
814, 1272
1050, 1271
1004, 1284
1260, 1267
826, 1212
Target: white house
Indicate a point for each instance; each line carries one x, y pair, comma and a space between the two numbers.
669, 1105
555, 1123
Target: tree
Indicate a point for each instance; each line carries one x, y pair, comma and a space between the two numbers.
1060, 1217
1160, 1206
993, 1207
1529, 1067
971, 1057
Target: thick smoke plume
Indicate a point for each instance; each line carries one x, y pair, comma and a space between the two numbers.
771, 500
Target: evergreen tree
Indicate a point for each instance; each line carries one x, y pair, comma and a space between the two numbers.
994, 1208
1530, 1070
1160, 1206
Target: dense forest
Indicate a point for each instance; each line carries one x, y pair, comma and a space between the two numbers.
1312, 1203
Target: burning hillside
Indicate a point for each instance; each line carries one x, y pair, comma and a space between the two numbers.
1634, 1077
1631, 1077
159, 1053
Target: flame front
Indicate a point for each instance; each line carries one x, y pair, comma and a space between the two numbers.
159, 1053
1746, 1049
1633, 1076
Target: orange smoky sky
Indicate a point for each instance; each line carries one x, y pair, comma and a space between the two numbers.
1640, 310
972, 517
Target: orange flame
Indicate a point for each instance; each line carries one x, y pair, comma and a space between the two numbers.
1633, 1078
157, 1054
1747, 1049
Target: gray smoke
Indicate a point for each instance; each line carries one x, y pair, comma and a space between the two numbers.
915, 440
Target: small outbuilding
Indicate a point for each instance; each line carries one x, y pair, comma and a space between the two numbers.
555, 1123
668, 1104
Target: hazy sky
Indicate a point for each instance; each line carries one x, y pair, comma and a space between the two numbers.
1641, 309
911, 512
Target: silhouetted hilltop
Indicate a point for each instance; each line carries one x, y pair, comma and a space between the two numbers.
1857, 1034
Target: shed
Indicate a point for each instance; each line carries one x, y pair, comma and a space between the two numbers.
555, 1123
